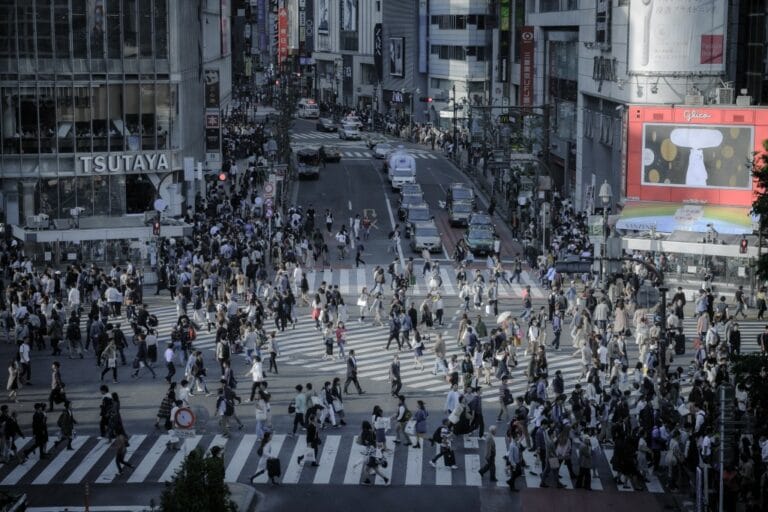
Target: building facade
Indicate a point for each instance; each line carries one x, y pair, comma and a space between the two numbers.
100, 102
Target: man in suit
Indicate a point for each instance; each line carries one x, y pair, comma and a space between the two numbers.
352, 374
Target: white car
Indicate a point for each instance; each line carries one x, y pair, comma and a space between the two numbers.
349, 132
381, 151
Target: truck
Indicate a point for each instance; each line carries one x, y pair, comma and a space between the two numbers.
401, 167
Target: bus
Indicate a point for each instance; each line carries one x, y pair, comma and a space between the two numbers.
308, 109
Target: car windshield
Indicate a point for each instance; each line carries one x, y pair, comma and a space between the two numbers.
462, 207
415, 214
308, 158
425, 231
461, 193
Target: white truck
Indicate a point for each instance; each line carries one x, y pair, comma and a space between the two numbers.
401, 167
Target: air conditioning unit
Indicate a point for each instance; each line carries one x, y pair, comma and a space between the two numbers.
694, 99
725, 95
743, 101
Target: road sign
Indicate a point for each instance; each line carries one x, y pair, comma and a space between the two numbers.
269, 190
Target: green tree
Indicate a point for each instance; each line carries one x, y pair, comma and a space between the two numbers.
760, 204
198, 486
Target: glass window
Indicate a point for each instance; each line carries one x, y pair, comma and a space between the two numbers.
65, 127
113, 29
61, 34
161, 29
44, 43
79, 29
145, 28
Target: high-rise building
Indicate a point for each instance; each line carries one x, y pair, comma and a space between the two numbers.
101, 102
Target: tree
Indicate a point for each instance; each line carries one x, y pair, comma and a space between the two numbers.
760, 204
198, 486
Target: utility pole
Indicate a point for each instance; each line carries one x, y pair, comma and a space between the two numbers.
455, 121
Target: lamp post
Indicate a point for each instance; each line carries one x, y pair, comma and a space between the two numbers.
605, 194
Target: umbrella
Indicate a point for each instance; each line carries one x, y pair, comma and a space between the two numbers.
503, 317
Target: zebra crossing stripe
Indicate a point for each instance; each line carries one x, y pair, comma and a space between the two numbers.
58, 463
110, 472
240, 456
21, 470
150, 459
327, 459
87, 463
277, 444
188, 445
414, 464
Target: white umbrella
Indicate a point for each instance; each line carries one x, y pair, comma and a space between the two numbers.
503, 317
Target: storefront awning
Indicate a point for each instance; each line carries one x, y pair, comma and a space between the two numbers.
669, 217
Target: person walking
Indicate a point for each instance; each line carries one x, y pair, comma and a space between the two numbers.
352, 374
266, 454
489, 455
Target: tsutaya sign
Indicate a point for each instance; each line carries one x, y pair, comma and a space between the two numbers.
123, 163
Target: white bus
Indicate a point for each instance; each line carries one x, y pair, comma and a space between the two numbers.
308, 109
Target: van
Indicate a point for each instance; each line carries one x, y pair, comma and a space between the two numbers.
308, 109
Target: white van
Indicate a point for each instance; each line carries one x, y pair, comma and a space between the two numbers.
308, 109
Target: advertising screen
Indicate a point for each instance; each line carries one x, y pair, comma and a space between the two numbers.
694, 155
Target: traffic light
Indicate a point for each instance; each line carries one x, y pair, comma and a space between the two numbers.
426, 99
743, 246
156, 228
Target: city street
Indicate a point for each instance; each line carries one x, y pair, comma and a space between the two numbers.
346, 188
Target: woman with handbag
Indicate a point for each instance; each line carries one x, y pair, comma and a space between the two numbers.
266, 461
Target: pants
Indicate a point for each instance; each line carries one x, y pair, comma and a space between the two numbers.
298, 419
352, 380
171, 371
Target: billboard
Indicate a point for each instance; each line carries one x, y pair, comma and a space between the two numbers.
693, 155
674, 36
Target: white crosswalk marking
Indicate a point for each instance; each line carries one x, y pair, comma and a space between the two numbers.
187, 446
110, 472
240, 457
148, 462
58, 462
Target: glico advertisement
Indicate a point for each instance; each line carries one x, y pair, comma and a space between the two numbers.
693, 155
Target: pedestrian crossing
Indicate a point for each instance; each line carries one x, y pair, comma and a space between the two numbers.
341, 462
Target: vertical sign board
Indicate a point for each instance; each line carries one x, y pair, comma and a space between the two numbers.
378, 51
282, 35
423, 27
527, 53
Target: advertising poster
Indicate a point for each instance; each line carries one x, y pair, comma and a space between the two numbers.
323, 17
667, 36
397, 56
693, 155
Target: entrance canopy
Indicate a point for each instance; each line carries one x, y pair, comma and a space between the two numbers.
697, 218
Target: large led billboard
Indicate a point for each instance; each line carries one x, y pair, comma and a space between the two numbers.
691, 154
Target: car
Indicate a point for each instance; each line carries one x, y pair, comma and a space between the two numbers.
381, 150
459, 192
332, 153
406, 201
425, 236
374, 139
349, 132
459, 212
481, 219
308, 162
326, 125
479, 240
415, 214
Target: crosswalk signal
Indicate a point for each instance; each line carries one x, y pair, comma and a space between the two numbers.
156, 228
743, 246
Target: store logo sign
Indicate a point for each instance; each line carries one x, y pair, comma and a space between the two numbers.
122, 163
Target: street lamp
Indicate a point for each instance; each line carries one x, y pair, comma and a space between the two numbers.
605, 194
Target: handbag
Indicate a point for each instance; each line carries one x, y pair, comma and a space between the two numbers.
410, 427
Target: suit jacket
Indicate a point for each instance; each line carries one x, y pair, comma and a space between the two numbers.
351, 368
